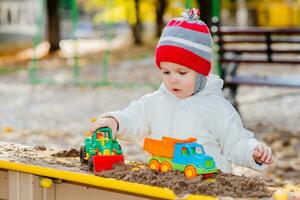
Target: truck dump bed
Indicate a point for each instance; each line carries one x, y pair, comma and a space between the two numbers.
164, 147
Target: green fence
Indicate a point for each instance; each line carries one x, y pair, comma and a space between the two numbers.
103, 80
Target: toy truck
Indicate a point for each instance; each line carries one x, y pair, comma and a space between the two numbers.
100, 151
184, 155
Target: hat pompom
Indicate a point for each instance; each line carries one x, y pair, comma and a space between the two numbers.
191, 14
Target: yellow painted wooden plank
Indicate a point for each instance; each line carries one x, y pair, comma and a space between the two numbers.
93, 180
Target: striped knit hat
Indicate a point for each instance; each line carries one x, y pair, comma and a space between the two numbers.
186, 41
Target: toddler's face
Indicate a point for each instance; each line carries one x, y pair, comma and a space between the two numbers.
179, 80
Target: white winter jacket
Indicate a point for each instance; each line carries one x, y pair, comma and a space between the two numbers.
207, 116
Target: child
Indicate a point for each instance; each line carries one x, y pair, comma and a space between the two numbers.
189, 102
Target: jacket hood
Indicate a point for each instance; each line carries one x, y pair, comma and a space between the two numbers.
213, 86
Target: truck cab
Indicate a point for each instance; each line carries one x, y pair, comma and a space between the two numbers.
193, 153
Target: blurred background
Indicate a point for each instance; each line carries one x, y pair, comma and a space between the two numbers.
63, 62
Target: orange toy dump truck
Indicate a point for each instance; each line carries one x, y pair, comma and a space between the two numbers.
184, 155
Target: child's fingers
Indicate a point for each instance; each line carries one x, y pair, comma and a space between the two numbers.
262, 154
265, 154
257, 155
114, 133
258, 160
97, 124
272, 160
258, 151
268, 159
105, 122
94, 127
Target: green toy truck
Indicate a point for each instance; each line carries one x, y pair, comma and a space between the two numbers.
100, 151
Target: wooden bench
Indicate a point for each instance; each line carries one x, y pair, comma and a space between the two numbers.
252, 46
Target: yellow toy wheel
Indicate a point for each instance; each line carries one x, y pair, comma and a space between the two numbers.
165, 166
154, 164
190, 171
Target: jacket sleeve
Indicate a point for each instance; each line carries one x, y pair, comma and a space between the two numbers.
133, 122
238, 143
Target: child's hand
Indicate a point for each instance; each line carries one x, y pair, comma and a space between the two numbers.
262, 154
109, 122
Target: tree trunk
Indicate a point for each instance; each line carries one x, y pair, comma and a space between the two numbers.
161, 6
206, 11
53, 24
137, 27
